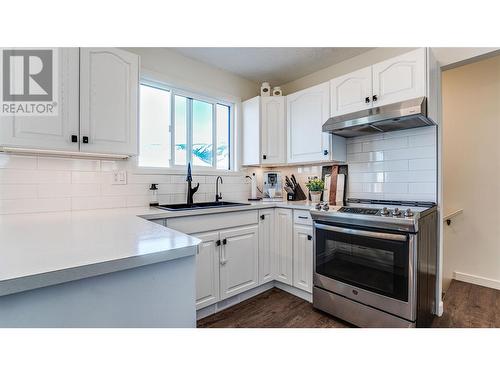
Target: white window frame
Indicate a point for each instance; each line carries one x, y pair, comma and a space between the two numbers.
177, 168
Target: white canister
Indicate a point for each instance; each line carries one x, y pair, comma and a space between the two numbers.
277, 91
265, 89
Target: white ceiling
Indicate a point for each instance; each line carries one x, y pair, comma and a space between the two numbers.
275, 65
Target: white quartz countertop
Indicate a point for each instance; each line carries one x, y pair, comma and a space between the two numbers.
45, 249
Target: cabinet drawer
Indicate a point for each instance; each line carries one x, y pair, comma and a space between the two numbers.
302, 217
205, 223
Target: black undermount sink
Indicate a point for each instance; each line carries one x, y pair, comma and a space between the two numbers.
197, 206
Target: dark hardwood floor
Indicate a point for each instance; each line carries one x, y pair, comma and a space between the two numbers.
465, 305
272, 309
469, 306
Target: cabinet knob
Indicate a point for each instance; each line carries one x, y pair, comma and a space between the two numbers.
85, 139
224, 241
309, 237
264, 157
325, 152
367, 99
374, 98
74, 138
262, 217
217, 243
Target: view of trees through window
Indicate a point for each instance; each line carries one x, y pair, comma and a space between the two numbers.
176, 129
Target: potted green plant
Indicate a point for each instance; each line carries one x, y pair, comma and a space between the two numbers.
315, 187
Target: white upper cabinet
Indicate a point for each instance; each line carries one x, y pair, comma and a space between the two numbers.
50, 132
273, 129
207, 270
307, 111
400, 78
251, 131
239, 270
264, 130
109, 80
351, 92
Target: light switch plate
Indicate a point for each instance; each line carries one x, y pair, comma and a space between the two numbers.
119, 178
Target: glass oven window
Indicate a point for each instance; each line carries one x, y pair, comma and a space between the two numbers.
377, 265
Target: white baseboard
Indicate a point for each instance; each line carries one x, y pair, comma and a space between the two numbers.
478, 280
440, 308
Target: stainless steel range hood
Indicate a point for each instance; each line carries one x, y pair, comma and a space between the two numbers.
397, 116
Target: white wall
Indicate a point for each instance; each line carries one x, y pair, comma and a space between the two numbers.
193, 75
471, 170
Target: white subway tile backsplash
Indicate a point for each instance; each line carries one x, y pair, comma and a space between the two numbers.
395, 165
24, 176
39, 184
18, 161
423, 164
17, 191
64, 164
89, 177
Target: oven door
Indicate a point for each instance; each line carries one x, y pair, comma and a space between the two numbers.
371, 267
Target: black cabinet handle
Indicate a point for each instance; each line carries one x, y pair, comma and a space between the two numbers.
325, 152
367, 99
264, 157
85, 139
217, 243
374, 98
74, 138
309, 237
224, 241
303, 217
262, 217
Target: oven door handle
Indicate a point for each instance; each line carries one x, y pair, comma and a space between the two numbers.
364, 233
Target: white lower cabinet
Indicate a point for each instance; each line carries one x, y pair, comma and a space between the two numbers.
266, 245
302, 257
283, 247
207, 269
239, 269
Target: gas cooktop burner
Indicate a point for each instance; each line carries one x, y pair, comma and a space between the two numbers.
359, 210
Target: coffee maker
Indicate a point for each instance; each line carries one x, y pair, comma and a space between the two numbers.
272, 186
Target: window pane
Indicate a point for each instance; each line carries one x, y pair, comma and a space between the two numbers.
202, 133
222, 136
154, 146
180, 130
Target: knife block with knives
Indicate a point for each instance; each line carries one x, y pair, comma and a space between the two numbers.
293, 190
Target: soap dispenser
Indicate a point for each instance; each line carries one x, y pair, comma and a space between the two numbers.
153, 201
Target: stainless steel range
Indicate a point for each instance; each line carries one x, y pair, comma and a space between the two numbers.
375, 262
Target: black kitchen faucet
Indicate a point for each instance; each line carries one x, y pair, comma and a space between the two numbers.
191, 190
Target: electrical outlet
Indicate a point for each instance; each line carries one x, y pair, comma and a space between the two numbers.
119, 178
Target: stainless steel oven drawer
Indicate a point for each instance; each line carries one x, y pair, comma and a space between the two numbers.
356, 313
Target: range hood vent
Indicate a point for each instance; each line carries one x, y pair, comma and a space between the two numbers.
397, 116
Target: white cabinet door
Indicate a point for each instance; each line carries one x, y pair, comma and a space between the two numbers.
239, 270
266, 245
50, 132
273, 129
307, 111
283, 245
109, 83
207, 269
251, 131
351, 92
399, 78
303, 257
